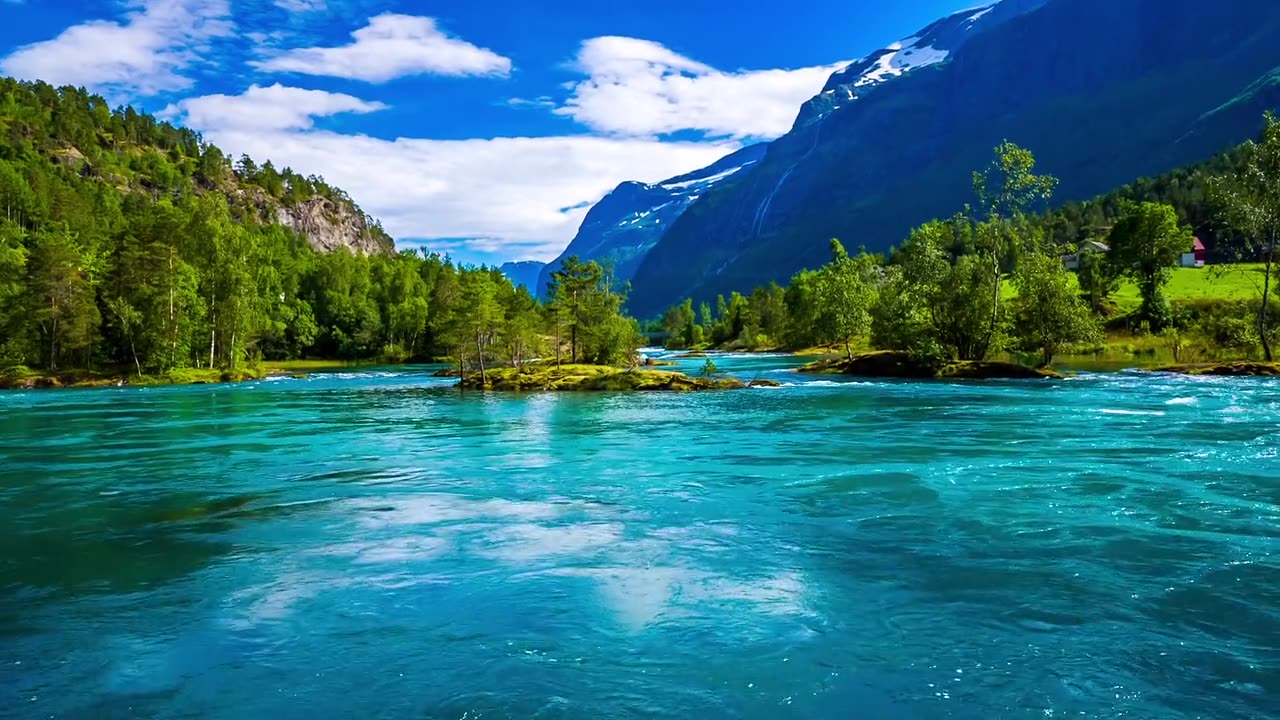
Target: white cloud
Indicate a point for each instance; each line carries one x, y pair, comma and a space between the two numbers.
300, 6
513, 196
391, 46
142, 55
266, 108
523, 196
639, 88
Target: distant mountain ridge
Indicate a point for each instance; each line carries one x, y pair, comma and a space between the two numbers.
523, 272
621, 229
1102, 91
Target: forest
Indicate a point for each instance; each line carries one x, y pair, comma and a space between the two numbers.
991, 279
131, 246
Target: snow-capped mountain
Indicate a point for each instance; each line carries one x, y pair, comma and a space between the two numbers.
620, 229
929, 46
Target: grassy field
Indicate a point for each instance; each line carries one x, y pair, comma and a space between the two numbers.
1218, 282
1221, 282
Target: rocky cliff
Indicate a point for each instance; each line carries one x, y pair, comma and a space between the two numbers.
330, 224
1102, 91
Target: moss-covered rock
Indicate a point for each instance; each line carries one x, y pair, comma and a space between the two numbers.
591, 378
762, 383
889, 364
1242, 368
693, 355
25, 378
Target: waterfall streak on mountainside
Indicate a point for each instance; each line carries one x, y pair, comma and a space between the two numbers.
758, 223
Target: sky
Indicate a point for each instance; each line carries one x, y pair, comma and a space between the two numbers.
484, 130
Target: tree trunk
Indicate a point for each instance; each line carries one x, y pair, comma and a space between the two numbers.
213, 327
484, 378
1266, 300
134, 350
573, 331
848, 349
995, 306
53, 333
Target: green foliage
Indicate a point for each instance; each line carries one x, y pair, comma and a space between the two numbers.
1147, 242
584, 304
1251, 202
126, 243
1049, 313
846, 291
1099, 278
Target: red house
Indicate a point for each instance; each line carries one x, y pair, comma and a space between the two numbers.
1197, 257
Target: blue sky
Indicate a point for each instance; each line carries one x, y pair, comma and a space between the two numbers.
481, 129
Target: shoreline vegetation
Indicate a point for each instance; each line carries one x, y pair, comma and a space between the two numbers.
644, 377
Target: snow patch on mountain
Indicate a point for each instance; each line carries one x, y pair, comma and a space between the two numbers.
705, 182
932, 45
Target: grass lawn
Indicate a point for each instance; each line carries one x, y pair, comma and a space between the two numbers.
1216, 282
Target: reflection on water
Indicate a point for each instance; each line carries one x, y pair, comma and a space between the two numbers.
373, 544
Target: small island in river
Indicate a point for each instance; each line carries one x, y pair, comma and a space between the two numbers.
571, 377
890, 364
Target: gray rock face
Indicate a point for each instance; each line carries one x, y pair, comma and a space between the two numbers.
329, 225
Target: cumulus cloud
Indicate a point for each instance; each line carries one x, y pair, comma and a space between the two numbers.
516, 196
266, 108
522, 197
391, 46
144, 54
640, 88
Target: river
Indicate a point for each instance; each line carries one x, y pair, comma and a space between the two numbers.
374, 544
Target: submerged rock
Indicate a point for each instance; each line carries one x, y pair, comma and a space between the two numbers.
1242, 368
891, 364
591, 378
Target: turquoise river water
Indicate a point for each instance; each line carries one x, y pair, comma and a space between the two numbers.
374, 544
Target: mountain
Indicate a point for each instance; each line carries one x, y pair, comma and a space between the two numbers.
1102, 91
622, 228
524, 272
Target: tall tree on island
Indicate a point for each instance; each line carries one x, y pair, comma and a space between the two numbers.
481, 314
571, 291
846, 292
1006, 189
1251, 200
